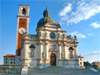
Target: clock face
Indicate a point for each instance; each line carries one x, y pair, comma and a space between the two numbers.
22, 30
52, 35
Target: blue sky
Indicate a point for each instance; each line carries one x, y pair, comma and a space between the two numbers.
77, 17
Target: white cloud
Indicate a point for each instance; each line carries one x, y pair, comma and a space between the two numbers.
84, 11
95, 25
79, 35
89, 34
93, 52
66, 10
74, 33
92, 56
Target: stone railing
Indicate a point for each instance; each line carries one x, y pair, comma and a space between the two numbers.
10, 69
33, 37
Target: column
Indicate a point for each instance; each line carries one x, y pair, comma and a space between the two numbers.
46, 53
25, 53
67, 52
64, 51
75, 51
25, 61
41, 50
59, 52
76, 56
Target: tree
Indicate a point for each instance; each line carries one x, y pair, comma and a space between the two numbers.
87, 64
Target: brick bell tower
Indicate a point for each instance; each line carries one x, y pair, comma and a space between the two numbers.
22, 26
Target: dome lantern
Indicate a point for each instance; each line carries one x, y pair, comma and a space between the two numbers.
46, 13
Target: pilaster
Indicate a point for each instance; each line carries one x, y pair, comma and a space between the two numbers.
59, 52
64, 51
46, 45
75, 51
40, 49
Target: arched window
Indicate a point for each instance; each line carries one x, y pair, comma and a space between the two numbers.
24, 11
71, 48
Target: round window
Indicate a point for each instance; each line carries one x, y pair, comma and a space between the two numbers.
52, 35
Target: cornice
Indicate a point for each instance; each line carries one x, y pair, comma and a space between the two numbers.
46, 25
47, 40
52, 30
23, 16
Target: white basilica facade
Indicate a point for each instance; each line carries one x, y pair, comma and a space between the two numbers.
50, 46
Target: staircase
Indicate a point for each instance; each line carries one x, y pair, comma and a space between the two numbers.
60, 71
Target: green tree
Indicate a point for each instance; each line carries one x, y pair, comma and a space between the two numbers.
87, 64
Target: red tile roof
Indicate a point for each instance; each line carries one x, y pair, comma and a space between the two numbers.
9, 55
80, 57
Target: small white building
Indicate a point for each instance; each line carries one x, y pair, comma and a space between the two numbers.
9, 59
81, 63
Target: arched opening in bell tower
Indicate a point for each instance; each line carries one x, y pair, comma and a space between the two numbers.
24, 11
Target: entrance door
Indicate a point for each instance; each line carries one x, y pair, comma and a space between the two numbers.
53, 59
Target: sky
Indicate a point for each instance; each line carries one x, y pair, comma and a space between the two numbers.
77, 17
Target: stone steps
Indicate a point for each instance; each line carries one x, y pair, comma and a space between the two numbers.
59, 71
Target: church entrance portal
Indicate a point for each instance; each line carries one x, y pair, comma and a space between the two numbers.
53, 59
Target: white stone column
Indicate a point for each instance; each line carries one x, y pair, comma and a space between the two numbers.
59, 52
46, 53
67, 53
76, 56
64, 51
41, 50
25, 54
75, 51
25, 60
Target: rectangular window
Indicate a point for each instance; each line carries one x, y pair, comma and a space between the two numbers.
11, 62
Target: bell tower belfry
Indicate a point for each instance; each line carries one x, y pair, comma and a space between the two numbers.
22, 26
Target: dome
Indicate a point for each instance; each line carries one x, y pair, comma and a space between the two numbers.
45, 19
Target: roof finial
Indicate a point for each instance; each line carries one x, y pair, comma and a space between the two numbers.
46, 7
46, 13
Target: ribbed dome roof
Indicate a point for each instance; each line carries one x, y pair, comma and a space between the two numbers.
45, 19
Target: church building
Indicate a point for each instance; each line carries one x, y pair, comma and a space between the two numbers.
50, 46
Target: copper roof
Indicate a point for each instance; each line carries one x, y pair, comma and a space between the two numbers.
46, 19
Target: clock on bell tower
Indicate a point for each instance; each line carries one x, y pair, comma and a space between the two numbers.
22, 26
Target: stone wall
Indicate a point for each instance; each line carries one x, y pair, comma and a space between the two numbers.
10, 69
